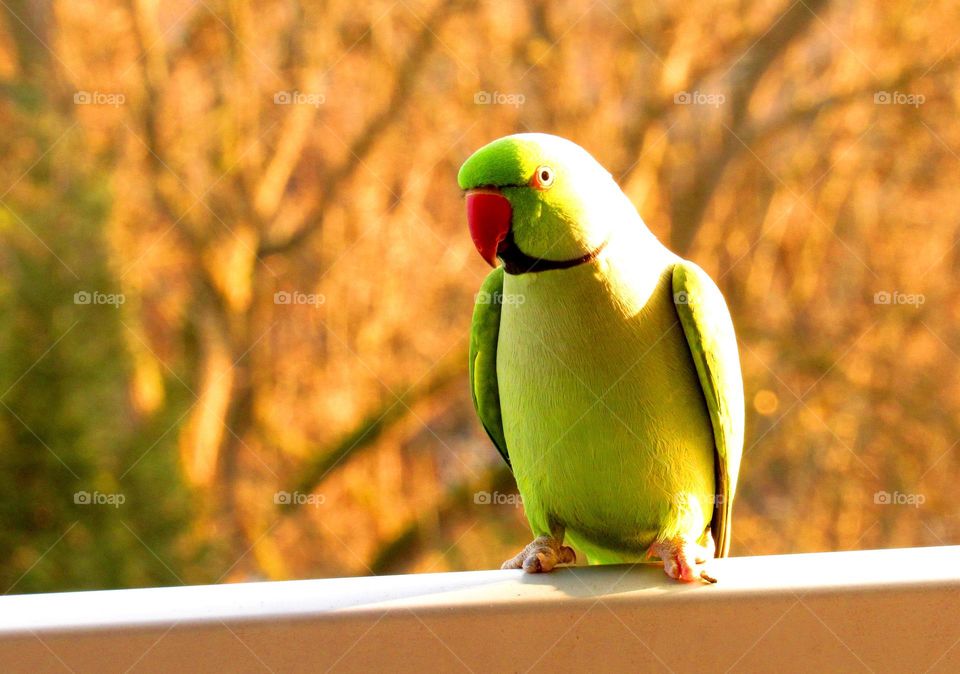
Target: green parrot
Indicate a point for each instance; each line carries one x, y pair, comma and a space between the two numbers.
603, 366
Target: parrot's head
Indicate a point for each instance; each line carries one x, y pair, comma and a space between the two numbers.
539, 202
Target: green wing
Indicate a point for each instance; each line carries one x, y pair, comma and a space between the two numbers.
484, 334
713, 345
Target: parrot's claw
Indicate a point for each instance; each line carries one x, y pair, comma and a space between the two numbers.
684, 560
541, 556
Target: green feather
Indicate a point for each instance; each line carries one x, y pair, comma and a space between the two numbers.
483, 359
713, 344
506, 161
623, 413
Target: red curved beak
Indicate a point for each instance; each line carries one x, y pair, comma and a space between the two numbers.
488, 215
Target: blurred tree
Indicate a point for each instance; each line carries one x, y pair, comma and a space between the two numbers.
271, 186
66, 424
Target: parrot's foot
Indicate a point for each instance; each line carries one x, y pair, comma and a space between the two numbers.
541, 556
684, 560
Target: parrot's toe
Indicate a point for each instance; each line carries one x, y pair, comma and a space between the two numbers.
541, 556
683, 560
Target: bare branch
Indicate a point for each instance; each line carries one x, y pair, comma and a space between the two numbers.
378, 422
690, 203
376, 126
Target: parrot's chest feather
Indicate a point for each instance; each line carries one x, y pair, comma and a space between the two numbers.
603, 414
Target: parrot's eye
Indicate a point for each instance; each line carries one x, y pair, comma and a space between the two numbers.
543, 178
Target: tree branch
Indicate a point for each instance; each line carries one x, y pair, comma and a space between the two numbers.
690, 203
376, 424
365, 140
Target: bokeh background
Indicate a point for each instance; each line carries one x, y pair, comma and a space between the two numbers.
236, 282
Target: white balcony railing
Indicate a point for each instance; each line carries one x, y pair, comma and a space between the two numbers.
881, 611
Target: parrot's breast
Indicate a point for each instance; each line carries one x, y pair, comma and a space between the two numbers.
604, 418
